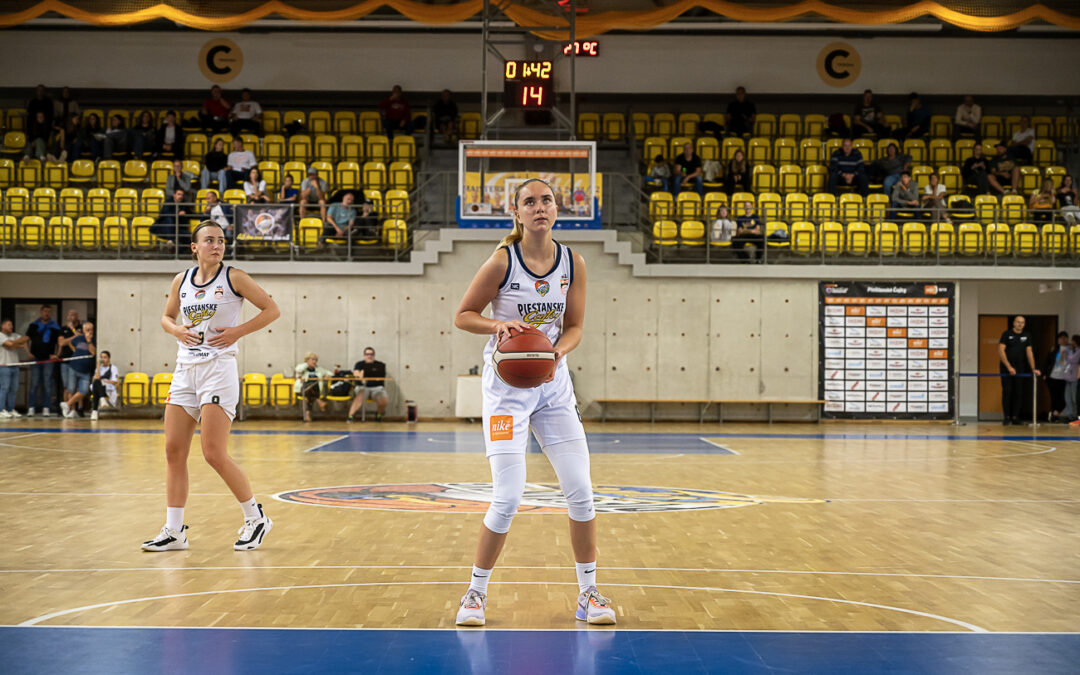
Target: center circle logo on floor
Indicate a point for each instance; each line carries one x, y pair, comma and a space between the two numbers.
539, 498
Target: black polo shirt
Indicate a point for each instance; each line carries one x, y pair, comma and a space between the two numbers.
1016, 346
373, 369
684, 166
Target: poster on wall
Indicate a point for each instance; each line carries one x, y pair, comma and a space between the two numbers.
264, 222
886, 349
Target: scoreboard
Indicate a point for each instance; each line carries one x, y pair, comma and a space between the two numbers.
886, 350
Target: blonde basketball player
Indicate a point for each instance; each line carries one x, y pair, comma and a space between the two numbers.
208, 299
532, 280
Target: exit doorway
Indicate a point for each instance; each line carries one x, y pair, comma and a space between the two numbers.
1043, 329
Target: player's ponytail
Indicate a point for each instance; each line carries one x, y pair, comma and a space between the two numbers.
519, 230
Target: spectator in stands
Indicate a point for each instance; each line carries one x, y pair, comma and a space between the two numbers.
659, 176
1022, 147
723, 227
246, 115
905, 194
374, 389
1041, 202
215, 111
215, 166
178, 178
344, 219
1067, 201
288, 194
41, 103
12, 349
395, 113
65, 106
887, 169
43, 334
313, 191
966, 121
934, 199
75, 138
255, 188
171, 137
847, 169
38, 133
917, 123
240, 163
72, 327
867, 119
95, 135
445, 112
1055, 366
144, 136
310, 384
1004, 174
117, 138
688, 171
749, 231
976, 170
737, 177
740, 114
219, 212
1017, 358
82, 368
103, 386
172, 220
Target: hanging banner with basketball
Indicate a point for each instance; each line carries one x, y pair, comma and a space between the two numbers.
886, 349
263, 222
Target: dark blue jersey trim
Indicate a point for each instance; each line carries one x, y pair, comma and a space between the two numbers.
509, 264
228, 280
558, 258
216, 275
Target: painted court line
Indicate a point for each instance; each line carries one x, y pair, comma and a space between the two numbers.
325, 443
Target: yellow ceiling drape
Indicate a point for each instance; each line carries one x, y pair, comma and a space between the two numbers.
587, 25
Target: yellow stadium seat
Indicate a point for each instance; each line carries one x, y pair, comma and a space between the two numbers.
986, 207
772, 227
916, 147
200, 198
1030, 179
663, 124
88, 232
785, 151
469, 126
17, 201
942, 239
370, 123
30, 173
803, 237
135, 389
99, 202
1054, 240
688, 206
653, 146
991, 126
271, 173
713, 202
940, 126
32, 232
1012, 123
404, 149
281, 390
253, 386
814, 125
729, 146
150, 202
797, 207
998, 240
764, 178
1074, 241
298, 171
16, 119
858, 238
824, 206
8, 232
832, 145
708, 148
692, 233
915, 241
309, 231
397, 204
114, 233
56, 175
1013, 208
1043, 126
877, 207
614, 126
588, 126
886, 239
739, 201
1026, 239
641, 124
765, 125
43, 201
810, 151
832, 238
817, 177
347, 176
665, 233
395, 233
234, 196
293, 116
192, 167
196, 145
759, 151
1066, 128
125, 202
377, 148
376, 199
319, 122
940, 152
326, 148
963, 150
7, 173
352, 148
865, 146
921, 175
952, 179
770, 206
159, 172
271, 121
1056, 174
956, 208
790, 125
14, 143
141, 238
970, 239
851, 207
274, 148
661, 206
59, 234
344, 123
300, 148
108, 173
159, 388
791, 179
70, 202
375, 175
675, 145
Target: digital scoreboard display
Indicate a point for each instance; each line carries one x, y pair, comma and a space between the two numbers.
528, 85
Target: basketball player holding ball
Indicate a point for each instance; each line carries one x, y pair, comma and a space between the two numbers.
205, 386
532, 280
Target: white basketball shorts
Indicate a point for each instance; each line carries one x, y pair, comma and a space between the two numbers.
216, 381
550, 409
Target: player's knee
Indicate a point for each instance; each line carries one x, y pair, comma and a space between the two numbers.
501, 512
215, 455
579, 501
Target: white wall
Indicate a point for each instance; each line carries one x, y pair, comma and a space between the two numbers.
627, 64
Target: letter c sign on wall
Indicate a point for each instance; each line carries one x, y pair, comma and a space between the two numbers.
220, 60
839, 65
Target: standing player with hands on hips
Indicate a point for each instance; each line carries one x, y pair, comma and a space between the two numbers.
554, 302
206, 386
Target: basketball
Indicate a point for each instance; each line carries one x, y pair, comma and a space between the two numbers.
525, 359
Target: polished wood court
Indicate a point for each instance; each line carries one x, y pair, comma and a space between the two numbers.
866, 527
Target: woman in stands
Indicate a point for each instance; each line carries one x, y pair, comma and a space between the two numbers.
553, 300
255, 188
738, 174
208, 299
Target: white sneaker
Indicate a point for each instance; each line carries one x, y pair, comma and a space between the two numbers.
70, 414
30, 412
471, 612
167, 540
15, 414
253, 532
63, 156
65, 409
46, 413
594, 608
93, 416
5, 415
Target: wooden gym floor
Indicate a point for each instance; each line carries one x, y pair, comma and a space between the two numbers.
818, 547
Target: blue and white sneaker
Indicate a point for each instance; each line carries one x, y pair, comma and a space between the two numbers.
253, 532
167, 540
594, 608
471, 612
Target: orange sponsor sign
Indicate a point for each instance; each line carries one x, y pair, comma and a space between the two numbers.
875, 321
939, 353
502, 427
897, 332
855, 311
916, 344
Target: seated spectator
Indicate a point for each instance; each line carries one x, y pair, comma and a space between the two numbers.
1041, 202
178, 179
246, 115
917, 123
1067, 201
255, 188
740, 114
723, 227
905, 194
887, 169
65, 106
342, 220
688, 171
1022, 147
867, 119
103, 387
144, 136
240, 163
172, 221
738, 173
41, 103
96, 135
215, 111
215, 166
313, 191
310, 384
12, 350
966, 121
74, 137
38, 133
219, 212
750, 231
976, 170
117, 138
659, 176
395, 113
82, 368
934, 199
445, 112
846, 169
373, 388
288, 194
1004, 174
171, 137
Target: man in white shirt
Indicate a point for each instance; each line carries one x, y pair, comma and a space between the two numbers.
1022, 147
968, 116
240, 163
246, 115
106, 378
219, 212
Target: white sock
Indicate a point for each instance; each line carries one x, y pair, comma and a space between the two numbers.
479, 579
586, 575
251, 509
174, 517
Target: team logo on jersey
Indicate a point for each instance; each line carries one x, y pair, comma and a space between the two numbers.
502, 427
183, 295
514, 286
219, 293
197, 314
538, 498
564, 284
199, 295
542, 287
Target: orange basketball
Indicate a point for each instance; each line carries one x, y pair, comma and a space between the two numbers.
525, 359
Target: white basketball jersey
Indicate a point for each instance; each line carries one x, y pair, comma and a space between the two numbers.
534, 298
213, 305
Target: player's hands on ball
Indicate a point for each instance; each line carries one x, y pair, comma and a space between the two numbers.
558, 355
187, 336
502, 328
224, 337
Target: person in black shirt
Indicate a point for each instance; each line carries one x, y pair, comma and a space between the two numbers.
749, 230
868, 118
215, 165
687, 171
975, 170
445, 112
369, 388
41, 103
1017, 358
740, 114
43, 334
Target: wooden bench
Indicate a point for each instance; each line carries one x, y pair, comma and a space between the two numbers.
703, 405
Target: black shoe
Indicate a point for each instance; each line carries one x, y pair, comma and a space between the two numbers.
1006, 422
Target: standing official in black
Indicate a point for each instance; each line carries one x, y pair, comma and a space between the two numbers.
1017, 358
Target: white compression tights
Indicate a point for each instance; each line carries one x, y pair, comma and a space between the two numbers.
571, 463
